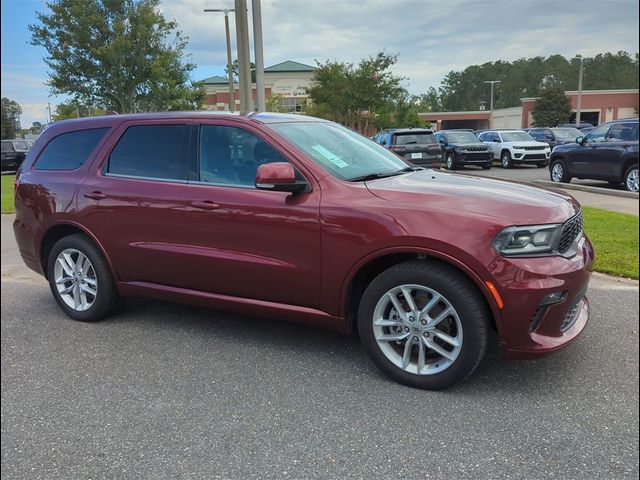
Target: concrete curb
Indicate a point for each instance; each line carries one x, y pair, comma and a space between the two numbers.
586, 188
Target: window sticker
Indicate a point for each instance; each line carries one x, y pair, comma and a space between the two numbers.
337, 161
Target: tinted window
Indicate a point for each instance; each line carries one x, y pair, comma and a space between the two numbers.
230, 155
21, 146
414, 138
598, 134
6, 147
623, 132
69, 150
152, 151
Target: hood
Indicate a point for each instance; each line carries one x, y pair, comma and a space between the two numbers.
500, 201
529, 144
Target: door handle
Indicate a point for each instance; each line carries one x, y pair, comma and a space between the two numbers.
95, 195
206, 205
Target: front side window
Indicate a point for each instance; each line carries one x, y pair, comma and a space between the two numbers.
341, 152
598, 134
231, 155
69, 151
151, 151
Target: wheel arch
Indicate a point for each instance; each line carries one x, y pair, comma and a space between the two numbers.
371, 266
63, 229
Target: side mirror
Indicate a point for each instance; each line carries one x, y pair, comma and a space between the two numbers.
279, 177
442, 142
497, 140
580, 140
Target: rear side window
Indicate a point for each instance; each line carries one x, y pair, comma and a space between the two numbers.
69, 151
152, 151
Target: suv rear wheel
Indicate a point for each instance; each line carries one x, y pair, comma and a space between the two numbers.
80, 279
424, 324
631, 179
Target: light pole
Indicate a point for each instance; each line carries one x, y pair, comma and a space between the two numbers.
244, 68
579, 99
232, 96
492, 82
257, 45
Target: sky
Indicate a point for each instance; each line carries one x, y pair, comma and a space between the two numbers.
430, 37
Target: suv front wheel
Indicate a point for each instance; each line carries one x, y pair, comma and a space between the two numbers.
424, 324
558, 172
451, 162
505, 160
80, 279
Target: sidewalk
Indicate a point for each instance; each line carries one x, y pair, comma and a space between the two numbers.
605, 202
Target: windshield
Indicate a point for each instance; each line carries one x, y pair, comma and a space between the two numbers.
414, 138
517, 137
461, 137
344, 154
567, 133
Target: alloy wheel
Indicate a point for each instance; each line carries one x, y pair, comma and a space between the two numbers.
450, 162
506, 161
76, 280
632, 180
557, 172
417, 329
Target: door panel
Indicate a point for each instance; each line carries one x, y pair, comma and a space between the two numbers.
247, 242
140, 220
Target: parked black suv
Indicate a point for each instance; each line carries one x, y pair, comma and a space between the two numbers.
13, 153
418, 145
555, 136
609, 152
462, 147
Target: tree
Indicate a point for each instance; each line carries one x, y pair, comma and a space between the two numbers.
552, 108
75, 109
352, 95
36, 128
11, 112
272, 103
236, 69
121, 54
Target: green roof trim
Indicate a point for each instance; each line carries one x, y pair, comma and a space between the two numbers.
290, 66
216, 80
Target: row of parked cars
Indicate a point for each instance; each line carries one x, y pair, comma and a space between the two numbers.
608, 152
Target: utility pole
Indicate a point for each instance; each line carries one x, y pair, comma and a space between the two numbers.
49, 110
244, 67
492, 82
257, 45
232, 89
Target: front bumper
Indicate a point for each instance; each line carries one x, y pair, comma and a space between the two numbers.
531, 156
530, 328
473, 158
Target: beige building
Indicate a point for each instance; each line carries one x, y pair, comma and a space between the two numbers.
288, 80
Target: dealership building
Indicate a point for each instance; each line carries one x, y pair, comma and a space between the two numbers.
598, 106
289, 80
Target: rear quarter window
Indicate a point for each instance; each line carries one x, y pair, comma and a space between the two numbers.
69, 151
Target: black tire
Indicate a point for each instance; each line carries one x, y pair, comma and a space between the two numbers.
542, 164
450, 162
107, 297
629, 184
486, 166
460, 293
558, 172
506, 160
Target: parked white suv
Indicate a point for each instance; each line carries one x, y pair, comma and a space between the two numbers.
516, 146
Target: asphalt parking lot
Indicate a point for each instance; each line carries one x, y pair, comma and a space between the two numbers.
168, 391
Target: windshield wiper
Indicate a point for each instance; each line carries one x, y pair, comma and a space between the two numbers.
375, 176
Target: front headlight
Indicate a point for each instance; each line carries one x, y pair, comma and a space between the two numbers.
527, 240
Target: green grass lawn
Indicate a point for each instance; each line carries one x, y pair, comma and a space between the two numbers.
615, 239
614, 235
6, 190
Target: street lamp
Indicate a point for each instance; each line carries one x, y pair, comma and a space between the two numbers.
232, 97
492, 82
579, 99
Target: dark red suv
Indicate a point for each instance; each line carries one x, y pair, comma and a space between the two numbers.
300, 219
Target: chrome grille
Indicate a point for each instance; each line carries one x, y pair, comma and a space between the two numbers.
571, 230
